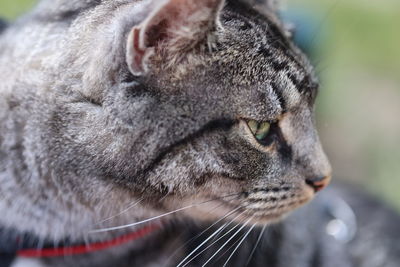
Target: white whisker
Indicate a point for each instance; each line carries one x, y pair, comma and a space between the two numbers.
199, 246
122, 212
228, 249
238, 245
255, 246
235, 234
204, 231
230, 230
153, 218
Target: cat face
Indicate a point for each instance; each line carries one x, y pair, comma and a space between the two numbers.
196, 101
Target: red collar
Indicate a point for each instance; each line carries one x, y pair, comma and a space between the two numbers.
83, 249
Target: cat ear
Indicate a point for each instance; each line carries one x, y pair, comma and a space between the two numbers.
173, 28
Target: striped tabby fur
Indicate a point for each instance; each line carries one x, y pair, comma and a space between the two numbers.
109, 104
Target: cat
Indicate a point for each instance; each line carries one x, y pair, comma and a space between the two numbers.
193, 117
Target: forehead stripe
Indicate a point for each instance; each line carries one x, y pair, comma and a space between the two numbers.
281, 99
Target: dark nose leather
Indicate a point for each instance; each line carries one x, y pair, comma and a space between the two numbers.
318, 183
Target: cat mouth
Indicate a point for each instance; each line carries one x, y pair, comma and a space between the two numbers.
239, 214
270, 209
275, 214
262, 212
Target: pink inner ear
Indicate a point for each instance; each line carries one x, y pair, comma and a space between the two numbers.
139, 53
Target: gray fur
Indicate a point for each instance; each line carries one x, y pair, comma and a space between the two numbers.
82, 138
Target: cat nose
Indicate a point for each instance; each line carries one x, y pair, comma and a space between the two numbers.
318, 183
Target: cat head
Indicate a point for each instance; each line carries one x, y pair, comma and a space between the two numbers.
188, 101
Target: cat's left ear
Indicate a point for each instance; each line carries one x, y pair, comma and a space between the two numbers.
170, 31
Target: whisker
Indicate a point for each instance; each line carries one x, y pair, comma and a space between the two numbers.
229, 248
235, 234
204, 231
238, 245
122, 212
198, 254
205, 241
156, 217
255, 246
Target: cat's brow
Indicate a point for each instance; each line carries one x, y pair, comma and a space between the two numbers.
311, 90
307, 86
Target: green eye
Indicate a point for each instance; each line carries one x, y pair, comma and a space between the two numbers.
259, 129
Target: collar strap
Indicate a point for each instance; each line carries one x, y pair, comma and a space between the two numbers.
86, 248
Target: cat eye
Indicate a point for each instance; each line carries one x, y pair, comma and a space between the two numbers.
260, 130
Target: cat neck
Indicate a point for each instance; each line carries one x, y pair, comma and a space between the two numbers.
49, 210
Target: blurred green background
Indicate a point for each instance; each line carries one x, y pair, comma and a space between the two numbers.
10, 9
357, 56
358, 61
